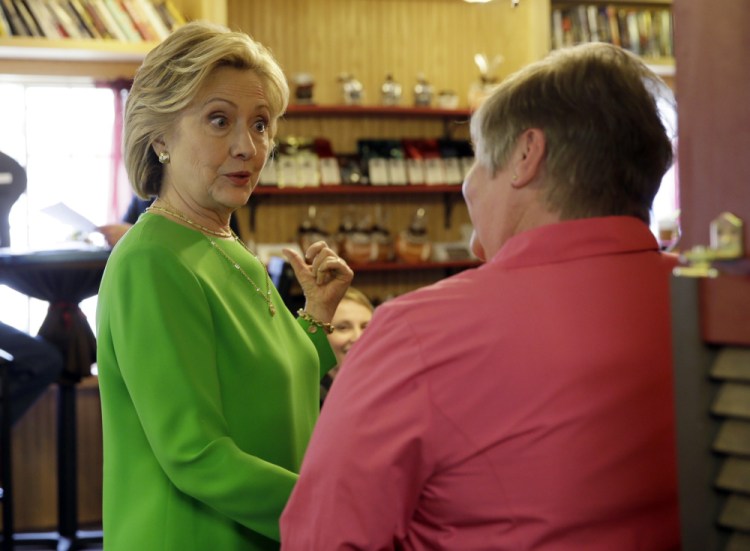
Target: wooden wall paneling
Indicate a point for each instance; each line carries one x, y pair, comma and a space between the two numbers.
371, 38
35, 461
713, 84
90, 453
34, 465
211, 10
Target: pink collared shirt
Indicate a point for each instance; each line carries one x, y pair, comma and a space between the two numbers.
523, 405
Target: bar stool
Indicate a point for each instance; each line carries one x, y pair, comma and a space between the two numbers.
6, 468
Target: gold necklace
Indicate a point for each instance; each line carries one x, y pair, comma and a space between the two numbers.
265, 296
180, 216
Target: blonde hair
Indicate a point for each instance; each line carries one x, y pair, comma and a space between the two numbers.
169, 79
355, 295
606, 146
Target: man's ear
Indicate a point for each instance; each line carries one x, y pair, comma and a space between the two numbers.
528, 156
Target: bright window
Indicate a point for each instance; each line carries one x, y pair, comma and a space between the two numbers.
62, 133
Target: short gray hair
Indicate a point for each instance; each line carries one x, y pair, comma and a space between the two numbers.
607, 147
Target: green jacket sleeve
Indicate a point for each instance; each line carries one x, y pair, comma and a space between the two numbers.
319, 339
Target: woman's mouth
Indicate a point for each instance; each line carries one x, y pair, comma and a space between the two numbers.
239, 178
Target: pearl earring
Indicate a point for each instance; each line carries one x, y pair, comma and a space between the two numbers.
164, 157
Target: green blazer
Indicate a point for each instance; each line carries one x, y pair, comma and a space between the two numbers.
208, 402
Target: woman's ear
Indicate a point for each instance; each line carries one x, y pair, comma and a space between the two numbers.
528, 157
158, 146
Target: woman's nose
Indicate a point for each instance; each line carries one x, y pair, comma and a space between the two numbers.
244, 145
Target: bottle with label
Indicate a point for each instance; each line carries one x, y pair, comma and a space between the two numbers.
311, 230
382, 241
413, 244
358, 248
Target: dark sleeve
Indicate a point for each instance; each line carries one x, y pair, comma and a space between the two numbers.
136, 208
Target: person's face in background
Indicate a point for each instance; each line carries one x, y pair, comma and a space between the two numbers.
349, 322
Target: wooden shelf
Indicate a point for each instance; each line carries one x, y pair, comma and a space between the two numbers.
450, 194
296, 110
24, 48
627, 3
403, 266
357, 190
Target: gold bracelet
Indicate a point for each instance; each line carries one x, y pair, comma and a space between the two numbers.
314, 323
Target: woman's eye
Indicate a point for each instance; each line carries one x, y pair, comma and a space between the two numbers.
261, 126
219, 121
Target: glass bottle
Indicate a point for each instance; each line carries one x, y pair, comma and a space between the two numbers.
390, 91
413, 244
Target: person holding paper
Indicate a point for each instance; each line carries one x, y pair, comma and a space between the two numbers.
528, 403
210, 385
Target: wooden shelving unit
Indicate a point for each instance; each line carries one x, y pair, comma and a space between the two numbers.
402, 266
92, 57
356, 190
663, 65
450, 194
297, 110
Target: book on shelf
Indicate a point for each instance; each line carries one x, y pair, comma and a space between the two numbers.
162, 31
43, 17
96, 20
645, 31
634, 35
108, 20
31, 23
4, 25
66, 24
141, 21
83, 28
78, 12
16, 24
610, 12
123, 20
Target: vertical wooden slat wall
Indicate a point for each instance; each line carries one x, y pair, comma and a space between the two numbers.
371, 38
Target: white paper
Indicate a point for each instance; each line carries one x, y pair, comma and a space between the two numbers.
63, 213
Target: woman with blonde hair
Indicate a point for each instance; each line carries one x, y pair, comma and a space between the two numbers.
209, 385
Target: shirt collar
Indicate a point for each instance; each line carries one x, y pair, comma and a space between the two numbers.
574, 239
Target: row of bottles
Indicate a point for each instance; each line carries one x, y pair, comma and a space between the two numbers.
361, 239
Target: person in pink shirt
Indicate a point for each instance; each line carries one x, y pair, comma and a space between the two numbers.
526, 404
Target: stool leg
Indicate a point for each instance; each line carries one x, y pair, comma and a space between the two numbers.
6, 474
